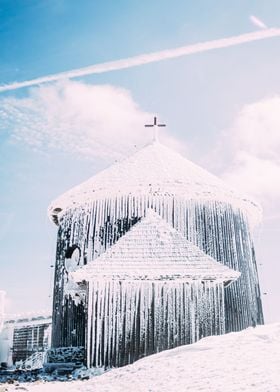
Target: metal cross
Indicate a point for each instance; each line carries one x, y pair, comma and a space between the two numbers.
155, 125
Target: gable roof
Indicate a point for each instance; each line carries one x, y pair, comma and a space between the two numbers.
155, 169
153, 250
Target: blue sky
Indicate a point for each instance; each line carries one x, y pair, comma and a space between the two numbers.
221, 108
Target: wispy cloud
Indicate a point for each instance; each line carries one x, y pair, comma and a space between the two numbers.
148, 58
255, 144
87, 120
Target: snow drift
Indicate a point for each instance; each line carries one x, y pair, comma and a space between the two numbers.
243, 361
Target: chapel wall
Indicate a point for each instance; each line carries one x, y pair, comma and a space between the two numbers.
218, 229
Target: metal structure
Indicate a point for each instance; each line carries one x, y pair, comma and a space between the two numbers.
23, 336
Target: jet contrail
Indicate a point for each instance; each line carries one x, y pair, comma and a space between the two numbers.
147, 58
257, 22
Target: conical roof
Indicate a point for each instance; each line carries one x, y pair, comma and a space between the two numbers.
153, 250
155, 169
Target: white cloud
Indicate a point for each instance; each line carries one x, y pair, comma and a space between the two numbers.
92, 121
255, 141
258, 177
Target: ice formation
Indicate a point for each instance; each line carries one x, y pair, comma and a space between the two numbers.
129, 320
98, 213
154, 170
153, 290
153, 250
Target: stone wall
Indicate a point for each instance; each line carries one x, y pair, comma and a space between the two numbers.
66, 355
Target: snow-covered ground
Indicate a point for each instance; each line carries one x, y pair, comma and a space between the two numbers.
244, 361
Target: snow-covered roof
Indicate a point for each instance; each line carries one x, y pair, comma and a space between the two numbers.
153, 250
45, 315
155, 169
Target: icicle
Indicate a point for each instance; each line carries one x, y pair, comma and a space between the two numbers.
221, 230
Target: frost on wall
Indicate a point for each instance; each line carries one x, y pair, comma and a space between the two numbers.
216, 228
151, 291
130, 320
93, 216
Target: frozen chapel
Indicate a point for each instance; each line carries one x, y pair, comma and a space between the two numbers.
152, 253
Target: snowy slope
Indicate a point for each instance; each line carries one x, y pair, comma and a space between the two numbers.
244, 361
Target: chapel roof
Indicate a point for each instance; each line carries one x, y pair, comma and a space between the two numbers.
155, 169
153, 250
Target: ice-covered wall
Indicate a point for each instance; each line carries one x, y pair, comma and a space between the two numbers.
95, 214
219, 229
128, 320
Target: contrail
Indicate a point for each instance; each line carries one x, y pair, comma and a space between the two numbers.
257, 22
147, 58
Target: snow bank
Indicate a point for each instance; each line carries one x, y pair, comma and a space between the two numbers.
243, 361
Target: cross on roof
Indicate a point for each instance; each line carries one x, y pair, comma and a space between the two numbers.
155, 125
